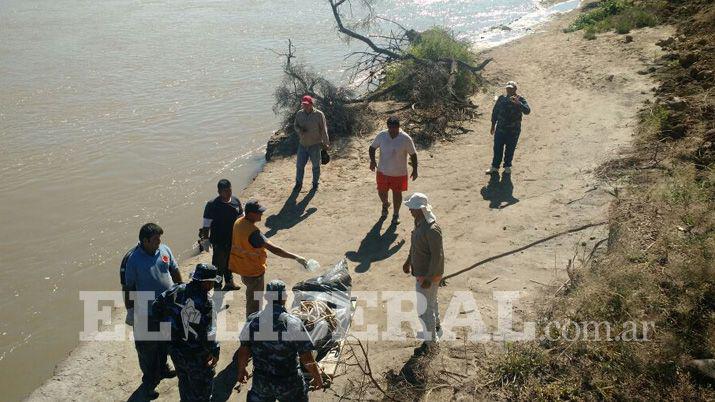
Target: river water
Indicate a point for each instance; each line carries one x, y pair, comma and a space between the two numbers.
114, 113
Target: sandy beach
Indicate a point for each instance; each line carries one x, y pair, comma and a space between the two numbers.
584, 97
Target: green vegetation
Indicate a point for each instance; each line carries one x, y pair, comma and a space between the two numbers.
659, 266
620, 16
418, 82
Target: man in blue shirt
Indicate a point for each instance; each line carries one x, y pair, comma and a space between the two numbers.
506, 127
148, 267
276, 346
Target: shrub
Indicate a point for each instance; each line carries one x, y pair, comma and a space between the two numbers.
589, 33
620, 15
420, 82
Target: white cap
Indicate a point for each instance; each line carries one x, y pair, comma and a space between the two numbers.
420, 201
511, 84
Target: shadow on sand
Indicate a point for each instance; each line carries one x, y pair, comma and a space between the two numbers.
291, 213
500, 194
224, 382
375, 246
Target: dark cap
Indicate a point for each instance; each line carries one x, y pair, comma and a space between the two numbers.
278, 287
393, 121
206, 272
254, 206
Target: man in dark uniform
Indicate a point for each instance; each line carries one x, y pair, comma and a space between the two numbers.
276, 346
506, 127
219, 217
193, 347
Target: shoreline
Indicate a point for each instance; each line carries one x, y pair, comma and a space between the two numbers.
270, 181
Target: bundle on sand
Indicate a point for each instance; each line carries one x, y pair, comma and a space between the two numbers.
323, 304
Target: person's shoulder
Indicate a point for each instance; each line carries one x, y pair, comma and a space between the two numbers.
435, 228
210, 203
132, 255
381, 134
235, 201
163, 247
404, 134
318, 111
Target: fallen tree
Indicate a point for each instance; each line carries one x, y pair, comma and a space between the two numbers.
432, 72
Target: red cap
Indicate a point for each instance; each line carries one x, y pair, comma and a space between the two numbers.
307, 100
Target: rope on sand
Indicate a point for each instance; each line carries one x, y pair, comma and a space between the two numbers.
532, 244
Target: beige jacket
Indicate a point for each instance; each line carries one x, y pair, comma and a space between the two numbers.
311, 128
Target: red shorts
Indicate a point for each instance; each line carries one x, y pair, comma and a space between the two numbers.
394, 183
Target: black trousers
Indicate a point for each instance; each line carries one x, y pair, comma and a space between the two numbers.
219, 259
152, 361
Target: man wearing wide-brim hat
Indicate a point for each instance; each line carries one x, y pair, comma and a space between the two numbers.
193, 347
426, 263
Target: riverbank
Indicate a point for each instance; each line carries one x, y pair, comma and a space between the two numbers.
584, 96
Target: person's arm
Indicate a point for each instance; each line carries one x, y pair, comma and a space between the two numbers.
324, 131
495, 114
242, 355
413, 162
205, 230
412, 151
128, 279
373, 163
436, 263
283, 253
407, 266
307, 360
206, 334
174, 269
297, 127
524, 106
158, 307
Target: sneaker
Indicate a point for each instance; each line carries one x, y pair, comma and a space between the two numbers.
150, 394
396, 219
491, 170
507, 169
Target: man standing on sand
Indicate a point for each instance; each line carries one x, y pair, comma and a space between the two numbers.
426, 263
277, 341
149, 267
219, 216
394, 145
193, 346
312, 131
506, 127
248, 254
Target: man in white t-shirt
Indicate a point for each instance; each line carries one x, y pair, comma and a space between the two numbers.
394, 145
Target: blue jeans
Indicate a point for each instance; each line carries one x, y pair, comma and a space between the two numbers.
311, 152
504, 145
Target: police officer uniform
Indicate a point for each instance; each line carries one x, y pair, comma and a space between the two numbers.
276, 373
189, 310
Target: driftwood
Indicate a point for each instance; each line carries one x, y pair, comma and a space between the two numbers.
522, 248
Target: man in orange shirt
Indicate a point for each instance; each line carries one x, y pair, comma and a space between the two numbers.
248, 254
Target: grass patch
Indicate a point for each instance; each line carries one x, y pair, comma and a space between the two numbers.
620, 16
